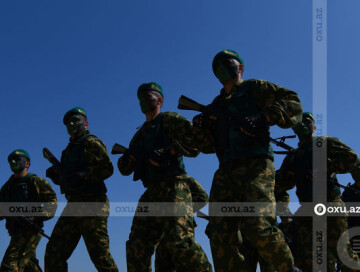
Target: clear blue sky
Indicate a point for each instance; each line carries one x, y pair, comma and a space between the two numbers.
55, 55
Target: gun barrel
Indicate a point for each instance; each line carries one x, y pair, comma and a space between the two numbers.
186, 103
118, 149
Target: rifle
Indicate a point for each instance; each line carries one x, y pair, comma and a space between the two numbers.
281, 142
224, 120
161, 156
333, 178
33, 226
118, 149
186, 103
202, 215
57, 165
139, 162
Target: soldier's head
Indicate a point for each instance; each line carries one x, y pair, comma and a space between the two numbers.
227, 65
75, 121
151, 97
19, 160
306, 128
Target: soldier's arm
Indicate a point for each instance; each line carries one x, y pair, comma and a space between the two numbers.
99, 166
47, 196
355, 173
198, 194
204, 140
3, 194
281, 106
180, 131
284, 181
341, 158
125, 163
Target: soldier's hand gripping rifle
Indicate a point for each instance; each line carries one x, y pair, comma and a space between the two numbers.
57, 166
139, 159
226, 119
158, 157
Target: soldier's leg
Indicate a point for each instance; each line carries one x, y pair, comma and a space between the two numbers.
257, 177
229, 252
146, 233
63, 241
19, 251
96, 238
304, 253
163, 258
33, 264
337, 226
179, 233
198, 194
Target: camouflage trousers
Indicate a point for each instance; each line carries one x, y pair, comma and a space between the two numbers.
238, 241
20, 256
177, 231
336, 226
66, 235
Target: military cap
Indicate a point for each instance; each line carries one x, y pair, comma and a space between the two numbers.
74, 111
18, 153
152, 86
308, 115
225, 54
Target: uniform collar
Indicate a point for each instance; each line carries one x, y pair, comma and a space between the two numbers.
79, 136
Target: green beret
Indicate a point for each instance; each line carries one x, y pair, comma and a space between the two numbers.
18, 153
152, 86
74, 111
225, 54
308, 115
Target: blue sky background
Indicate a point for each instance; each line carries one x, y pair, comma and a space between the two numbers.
55, 55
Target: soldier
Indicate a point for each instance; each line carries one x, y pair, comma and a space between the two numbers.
155, 156
86, 165
236, 125
24, 186
297, 170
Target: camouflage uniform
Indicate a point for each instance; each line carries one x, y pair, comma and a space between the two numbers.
297, 170
164, 184
246, 174
84, 153
163, 259
21, 252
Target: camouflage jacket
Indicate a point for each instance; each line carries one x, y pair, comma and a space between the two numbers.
282, 107
179, 131
96, 164
35, 189
296, 169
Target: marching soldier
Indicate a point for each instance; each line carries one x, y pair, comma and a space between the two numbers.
86, 165
25, 187
156, 155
